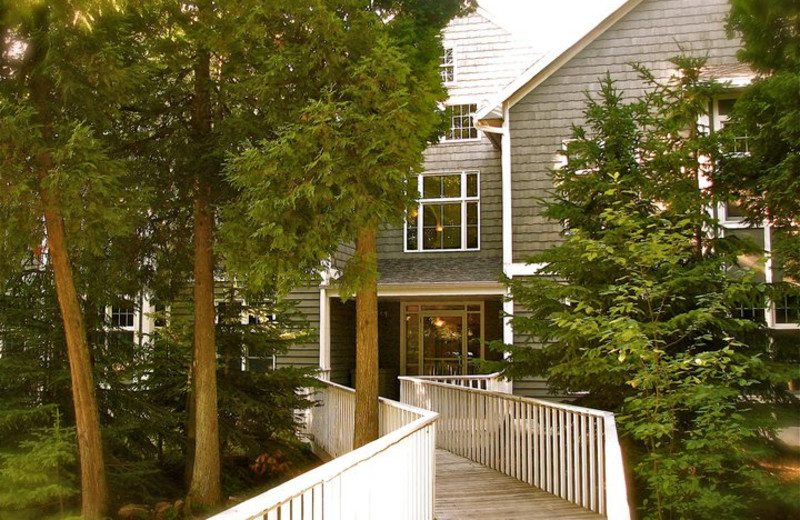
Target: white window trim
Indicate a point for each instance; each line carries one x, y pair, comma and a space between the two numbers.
463, 200
244, 319
403, 334
716, 123
445, 139
454, 54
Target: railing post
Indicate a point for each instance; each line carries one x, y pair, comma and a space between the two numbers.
617, 507
569, 451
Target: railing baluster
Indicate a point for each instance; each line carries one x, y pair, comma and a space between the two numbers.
592, 464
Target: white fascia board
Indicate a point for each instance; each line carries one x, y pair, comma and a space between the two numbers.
492, 110
737, 82
437, 289
545, 66
521, 269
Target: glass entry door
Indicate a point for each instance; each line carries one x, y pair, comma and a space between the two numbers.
441, 339
443, 345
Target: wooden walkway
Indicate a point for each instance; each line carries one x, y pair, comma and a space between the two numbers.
466, 490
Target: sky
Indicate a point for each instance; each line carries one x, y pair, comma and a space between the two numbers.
550, 22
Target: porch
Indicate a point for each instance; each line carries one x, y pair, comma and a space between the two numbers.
498, 456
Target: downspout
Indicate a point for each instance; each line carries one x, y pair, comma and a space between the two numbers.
508, 250
504, 133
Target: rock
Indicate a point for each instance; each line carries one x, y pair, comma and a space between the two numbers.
133, 512
161, 510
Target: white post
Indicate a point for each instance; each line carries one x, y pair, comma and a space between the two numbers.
324, 334
617, 507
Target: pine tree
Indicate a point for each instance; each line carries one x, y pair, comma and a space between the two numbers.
39, 478
636, 308
764, 182
336, 169
63, 77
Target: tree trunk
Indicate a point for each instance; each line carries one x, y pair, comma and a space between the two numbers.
204, 487
366, 420
94, 489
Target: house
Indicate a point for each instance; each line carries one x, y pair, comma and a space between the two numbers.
511, 105
513, 97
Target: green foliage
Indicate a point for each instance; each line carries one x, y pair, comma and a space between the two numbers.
39, 477
765, 181
87, 78
338, 159
636, 309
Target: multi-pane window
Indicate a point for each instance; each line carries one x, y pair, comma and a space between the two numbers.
782, 311
461, 127
442, 338
122, 316
721, 113
244, 329
120, 336
447, 217
447, 65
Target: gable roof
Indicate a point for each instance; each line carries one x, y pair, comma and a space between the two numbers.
550, 62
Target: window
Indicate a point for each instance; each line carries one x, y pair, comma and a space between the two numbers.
461, 127
243, 332
122, 317
121, 331
447, 65
447, 217
781, 313
442, 338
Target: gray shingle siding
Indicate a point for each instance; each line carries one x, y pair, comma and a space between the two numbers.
650, 34
304, 354
487, 58
343, 340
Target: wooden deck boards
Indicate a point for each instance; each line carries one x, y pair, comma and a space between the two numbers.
465, 490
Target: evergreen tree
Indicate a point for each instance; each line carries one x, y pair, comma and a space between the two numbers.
636, 308
39, 478
63, 74
764, 182
336, 167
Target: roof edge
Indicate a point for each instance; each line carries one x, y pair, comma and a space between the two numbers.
546, 65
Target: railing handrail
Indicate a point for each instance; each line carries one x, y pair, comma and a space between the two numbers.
543, 402
470, 377
570, 451
256, 506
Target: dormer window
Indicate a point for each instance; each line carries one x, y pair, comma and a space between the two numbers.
447, 65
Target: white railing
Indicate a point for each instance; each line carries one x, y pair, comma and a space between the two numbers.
493, 382
392, 477
569, 451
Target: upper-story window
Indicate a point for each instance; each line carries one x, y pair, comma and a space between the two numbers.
447, 217
121, 335
461, 126
447, 65
779, 313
